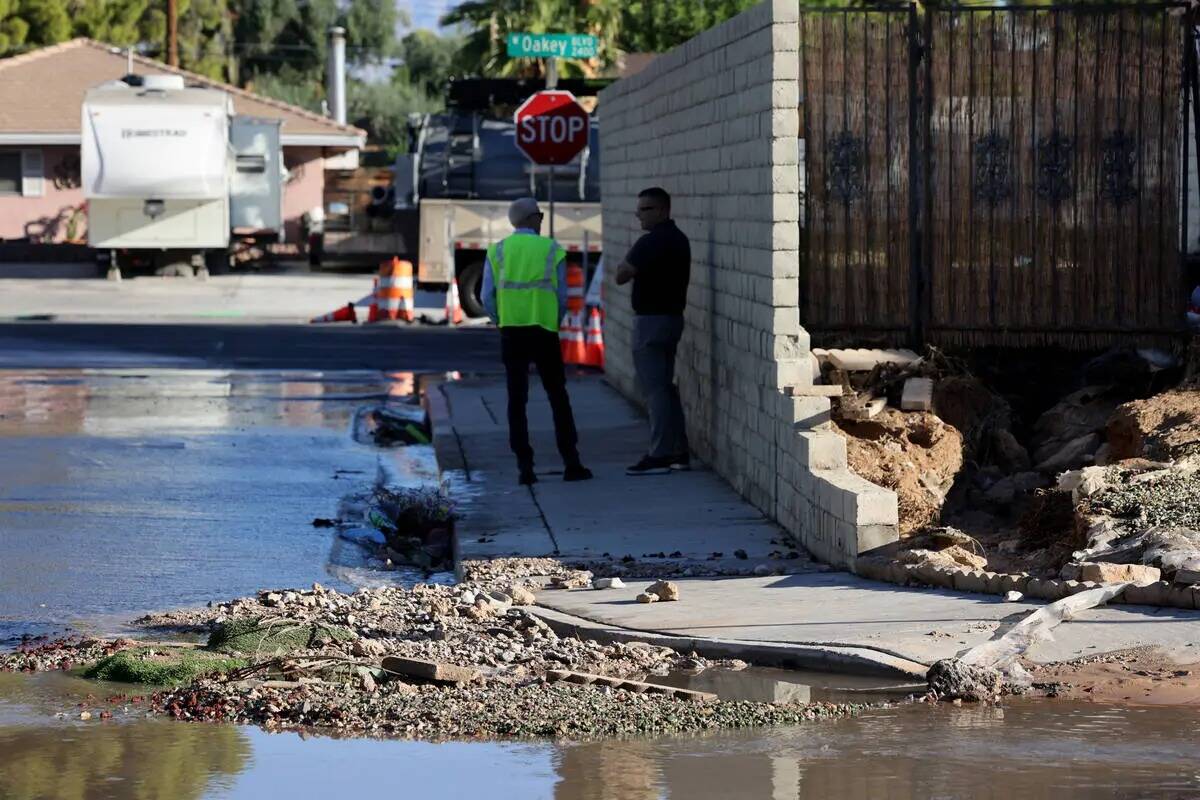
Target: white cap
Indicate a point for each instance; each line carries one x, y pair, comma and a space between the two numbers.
521, 208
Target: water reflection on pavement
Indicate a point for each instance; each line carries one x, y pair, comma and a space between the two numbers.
127, 491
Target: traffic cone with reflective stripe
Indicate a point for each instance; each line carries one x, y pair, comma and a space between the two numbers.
575, 278
343, 314
593, 339
570, 338
371, 301
454, 312
403, 272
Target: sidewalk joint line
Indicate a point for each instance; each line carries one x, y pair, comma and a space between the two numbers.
462, 451
488, 409
545, 522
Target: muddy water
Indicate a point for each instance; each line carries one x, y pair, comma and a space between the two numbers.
1024, 750
123, 492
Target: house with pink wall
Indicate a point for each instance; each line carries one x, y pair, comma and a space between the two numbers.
41, 96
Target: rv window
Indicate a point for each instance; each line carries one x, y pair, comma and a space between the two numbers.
10, 172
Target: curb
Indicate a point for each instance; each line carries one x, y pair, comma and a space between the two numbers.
852, 660
975, 581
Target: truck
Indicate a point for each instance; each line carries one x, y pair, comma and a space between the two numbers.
448, 198
171, 175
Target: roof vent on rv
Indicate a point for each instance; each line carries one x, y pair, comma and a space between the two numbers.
162, 82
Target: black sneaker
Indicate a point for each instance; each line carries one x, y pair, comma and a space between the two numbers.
649, 465
577, 473
681, 463
527, 477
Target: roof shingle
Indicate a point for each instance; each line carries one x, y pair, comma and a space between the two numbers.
41, 92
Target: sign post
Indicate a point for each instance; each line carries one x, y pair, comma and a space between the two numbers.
551, 129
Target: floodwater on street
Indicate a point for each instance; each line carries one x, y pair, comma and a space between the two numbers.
127, 491
1030, 750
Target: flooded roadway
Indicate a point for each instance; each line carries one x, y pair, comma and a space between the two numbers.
127, 491
123, 492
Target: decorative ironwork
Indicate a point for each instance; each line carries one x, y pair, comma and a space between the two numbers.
992, 177
1054, 167
1117, 165
845, 160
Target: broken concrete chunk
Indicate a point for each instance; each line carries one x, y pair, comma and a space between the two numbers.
429, 670
608, 583
1119, 573
1188, 572
522, 596
646, 597
1013, 597
863, 360
1075, 453
666, 590
917, 395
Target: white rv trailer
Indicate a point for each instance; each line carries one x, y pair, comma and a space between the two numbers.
170, 173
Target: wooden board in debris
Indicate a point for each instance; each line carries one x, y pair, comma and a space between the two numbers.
865, 360
587, 678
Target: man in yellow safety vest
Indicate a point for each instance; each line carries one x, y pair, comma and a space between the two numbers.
525, 293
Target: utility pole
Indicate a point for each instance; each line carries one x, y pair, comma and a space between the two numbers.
173, 33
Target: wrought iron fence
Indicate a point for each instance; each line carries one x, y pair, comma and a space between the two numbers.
994, 175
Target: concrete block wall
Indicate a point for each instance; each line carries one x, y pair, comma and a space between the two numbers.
716, 123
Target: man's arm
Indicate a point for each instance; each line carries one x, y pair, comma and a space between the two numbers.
561, 275
625, 273
488, 293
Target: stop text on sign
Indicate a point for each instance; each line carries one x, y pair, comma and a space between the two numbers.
556, 130
551, 127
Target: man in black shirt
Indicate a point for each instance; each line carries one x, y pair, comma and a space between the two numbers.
659, 264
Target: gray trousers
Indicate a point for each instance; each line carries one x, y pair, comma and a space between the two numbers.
655, 339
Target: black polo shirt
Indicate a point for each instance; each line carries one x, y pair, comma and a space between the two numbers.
663, 258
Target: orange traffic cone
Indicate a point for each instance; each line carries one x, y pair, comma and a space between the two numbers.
575, 278
403, 272
570, 338
594, 339
343, 314
454, 312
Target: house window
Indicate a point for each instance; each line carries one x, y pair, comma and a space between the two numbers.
10, 172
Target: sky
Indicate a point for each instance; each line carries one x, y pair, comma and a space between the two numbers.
425, 13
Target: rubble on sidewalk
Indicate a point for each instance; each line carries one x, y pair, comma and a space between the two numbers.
1036, 481
421, 662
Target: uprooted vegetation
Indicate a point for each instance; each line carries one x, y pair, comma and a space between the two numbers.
997, 457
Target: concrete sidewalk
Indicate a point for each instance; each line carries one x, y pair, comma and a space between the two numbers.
697, 514
221, 298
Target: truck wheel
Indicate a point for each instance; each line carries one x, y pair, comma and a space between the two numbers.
177, 269
217, 262
470, 284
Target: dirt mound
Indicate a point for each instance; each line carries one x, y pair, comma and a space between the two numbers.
914, 454
1165, 427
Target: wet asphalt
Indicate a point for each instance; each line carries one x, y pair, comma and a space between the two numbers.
139, 471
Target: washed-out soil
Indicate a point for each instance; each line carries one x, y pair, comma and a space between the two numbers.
916, 455
1133, 677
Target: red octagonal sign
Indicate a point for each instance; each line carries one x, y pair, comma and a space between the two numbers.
552, 128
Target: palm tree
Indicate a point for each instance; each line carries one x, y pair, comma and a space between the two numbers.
490, 21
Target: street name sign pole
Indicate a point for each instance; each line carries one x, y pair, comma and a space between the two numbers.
551, 129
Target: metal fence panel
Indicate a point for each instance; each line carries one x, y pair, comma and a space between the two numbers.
993, 175
855, 79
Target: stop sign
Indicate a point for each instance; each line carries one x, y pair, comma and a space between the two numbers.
552, 128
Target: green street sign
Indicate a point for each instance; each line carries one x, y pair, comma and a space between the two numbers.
551, 45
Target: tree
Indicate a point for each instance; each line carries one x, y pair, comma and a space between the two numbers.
428, 60
655, 26
382, 110
488, 22
32, 23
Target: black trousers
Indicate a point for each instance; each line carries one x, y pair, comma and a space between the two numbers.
520, 347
